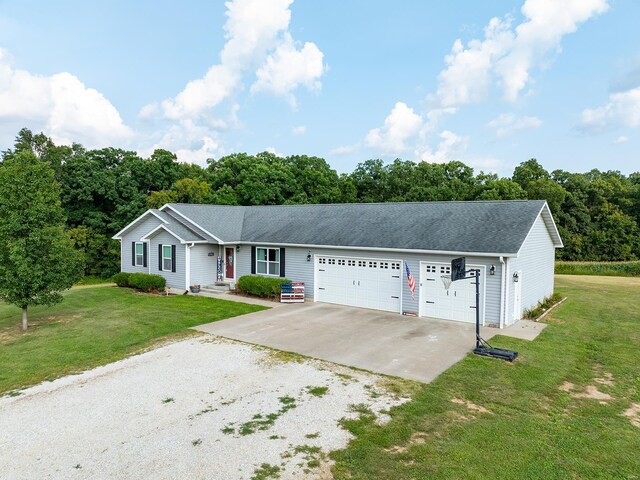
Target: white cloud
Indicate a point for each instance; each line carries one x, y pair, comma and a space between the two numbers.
451, 146
507, 123
253, 29
508, 55
621, 139
299, 130
344, 149
287, 68
622, 109
401, 125
273, 151
59, 105
191, 142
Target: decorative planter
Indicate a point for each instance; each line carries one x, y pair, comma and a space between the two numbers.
195, 288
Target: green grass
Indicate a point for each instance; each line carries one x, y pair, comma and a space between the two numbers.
94, 326
532, 430
612, 269
93, 281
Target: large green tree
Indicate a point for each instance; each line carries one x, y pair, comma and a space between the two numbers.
37, 259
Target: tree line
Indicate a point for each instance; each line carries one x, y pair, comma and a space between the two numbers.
101, 191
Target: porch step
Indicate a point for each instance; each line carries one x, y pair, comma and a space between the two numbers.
218, 288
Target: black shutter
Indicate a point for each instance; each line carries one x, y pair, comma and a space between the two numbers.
160, 257
173, 258
144, 254
253, 260
282, 262
133, 254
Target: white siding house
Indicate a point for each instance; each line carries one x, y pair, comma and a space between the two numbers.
358, 254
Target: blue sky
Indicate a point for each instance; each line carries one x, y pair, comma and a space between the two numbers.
489, 83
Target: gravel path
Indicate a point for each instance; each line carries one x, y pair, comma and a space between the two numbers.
203, 408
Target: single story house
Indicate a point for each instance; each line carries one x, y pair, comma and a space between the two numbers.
358, 254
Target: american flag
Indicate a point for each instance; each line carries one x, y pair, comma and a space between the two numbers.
410, 280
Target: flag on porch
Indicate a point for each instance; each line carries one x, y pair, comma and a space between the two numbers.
410, 280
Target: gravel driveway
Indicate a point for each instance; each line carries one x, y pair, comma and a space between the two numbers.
203, 408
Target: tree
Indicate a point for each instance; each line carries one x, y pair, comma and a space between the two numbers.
37, 259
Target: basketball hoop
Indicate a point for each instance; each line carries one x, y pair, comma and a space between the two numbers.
446, 279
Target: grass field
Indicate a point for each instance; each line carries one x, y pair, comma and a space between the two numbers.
94, 326
558, 412
614, 269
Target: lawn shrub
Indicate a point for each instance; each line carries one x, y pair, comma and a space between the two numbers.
542, 307
147, 282
265, 287
122, 279
612, 269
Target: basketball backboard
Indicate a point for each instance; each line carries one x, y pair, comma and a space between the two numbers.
458, 268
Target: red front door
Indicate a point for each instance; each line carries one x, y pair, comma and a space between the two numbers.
229, 259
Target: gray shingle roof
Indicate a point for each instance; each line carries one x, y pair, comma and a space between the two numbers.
181, 230
481, 227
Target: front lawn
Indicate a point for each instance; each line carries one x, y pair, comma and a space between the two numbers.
94, 326
564, 409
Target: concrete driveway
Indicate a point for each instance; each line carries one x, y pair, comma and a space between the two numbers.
410, 347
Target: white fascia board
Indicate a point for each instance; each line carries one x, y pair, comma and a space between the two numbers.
148, 235
382, 249
191, 222
118, 236
548, 211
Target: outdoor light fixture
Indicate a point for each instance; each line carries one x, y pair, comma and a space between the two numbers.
237, 248
515, 277
309, 256
492, 270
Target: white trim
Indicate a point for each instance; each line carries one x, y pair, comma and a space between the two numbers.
235, 263
135, 255
162, 245
503, 289
146, 237
118, 236
396, 260
533, 225
381, 249
508, 284
483, 268
187, 265
191, 221
268, 261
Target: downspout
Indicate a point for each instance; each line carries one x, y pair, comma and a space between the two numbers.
187, 268
503, 296
505, 288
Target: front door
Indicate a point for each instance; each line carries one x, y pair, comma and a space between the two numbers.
229, 259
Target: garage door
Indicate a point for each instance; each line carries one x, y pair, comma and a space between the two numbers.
458, 303
359, 282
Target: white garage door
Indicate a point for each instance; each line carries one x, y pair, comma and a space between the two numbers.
457, 303
359, 282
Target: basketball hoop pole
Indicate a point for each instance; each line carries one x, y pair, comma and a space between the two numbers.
459, 272
477, 275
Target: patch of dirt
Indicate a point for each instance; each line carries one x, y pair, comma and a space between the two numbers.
590, 391
418, 438
470, 405
323, 472
566, 387
633, 414
606, 379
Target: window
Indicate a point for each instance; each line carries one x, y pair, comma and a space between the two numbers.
268, 261
167, 264
139, 254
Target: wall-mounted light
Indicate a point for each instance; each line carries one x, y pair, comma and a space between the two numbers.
492, 270
210, 254
515, 277
237, 248
309, 256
